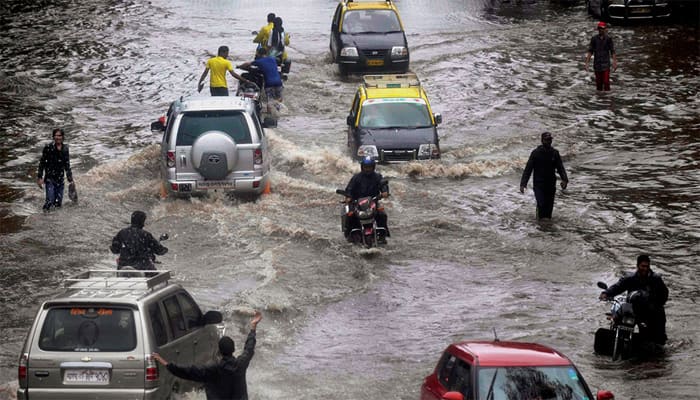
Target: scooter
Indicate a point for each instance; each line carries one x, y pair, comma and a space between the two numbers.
620, 339
364, 210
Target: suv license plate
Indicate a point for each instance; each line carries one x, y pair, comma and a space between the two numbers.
216, 185
86, 376
185, 187
375, 63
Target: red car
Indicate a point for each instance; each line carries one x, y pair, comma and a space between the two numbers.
502, 370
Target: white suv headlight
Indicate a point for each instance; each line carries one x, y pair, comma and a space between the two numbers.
428, 151
367, 150
398, 51
349, 52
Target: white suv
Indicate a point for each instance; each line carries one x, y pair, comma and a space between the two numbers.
213, 143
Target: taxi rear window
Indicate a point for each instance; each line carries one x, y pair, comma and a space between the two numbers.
195, 123
91, 329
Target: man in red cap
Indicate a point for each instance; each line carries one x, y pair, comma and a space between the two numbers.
602, 49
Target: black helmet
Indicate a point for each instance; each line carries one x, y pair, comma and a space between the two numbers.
138, 219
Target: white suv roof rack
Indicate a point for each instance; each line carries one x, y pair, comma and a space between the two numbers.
391, 81
112, 279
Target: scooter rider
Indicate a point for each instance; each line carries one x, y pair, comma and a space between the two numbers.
649, 302
368, 183
136, 247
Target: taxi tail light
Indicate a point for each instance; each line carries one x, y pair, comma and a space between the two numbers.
174, 187
151, 369
22, 368
257, 156
170, 159
256, 184
435, 153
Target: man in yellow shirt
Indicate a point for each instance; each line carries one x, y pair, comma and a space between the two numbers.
218, 66
264, 34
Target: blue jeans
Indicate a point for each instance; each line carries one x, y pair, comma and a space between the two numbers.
54, 194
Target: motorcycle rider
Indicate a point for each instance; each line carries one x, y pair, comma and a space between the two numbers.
136, 247
367, 182
648, 302
264, 33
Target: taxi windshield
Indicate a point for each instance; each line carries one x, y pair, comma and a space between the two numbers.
526, 383
371, 21
401, 113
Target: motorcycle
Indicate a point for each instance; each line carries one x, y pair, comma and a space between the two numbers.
153, 260
364, 210
256, 92
620, 340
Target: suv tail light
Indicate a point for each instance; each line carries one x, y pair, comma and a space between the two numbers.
151, 369
170, 159
22, 368
257, 156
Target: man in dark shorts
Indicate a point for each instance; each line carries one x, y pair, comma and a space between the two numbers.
601, 49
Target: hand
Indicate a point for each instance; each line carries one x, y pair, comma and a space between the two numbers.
585, 66
614, 66
160, 359
603, 296
40, 182
564, 184
384, 195
256, 319
200, 86
522, 189
348, 199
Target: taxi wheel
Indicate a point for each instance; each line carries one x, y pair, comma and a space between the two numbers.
343, 69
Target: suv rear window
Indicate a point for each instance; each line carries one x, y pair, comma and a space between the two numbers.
88, 329
195, 123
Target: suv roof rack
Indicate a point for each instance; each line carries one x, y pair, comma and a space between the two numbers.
112, 279
391, 81
369, 1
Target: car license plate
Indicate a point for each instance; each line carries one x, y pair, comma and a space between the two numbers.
375, 63
640, 10
86, 377
185, 187
215, 185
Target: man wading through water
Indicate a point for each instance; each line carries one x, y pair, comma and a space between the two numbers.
54, 160
224, 380
544, 161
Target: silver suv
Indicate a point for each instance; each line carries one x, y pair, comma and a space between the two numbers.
95, 340
213, 143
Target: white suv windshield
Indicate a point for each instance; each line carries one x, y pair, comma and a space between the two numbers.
371, 21
88, 329
525, 383
194, 124
399, 113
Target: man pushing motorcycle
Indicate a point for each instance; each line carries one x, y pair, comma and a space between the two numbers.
649, 299
366, 183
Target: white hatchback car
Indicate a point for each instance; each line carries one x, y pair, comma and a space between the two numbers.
213, 143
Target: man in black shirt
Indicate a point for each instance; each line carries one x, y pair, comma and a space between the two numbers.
363, 184
54, 160
601, 49
544, 161
226, 379
136, 247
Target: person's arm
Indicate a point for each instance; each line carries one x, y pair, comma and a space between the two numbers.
350, 188
562, 172
240, 78
116, 246
200, 84
249, 347
197, 374
660, 295
527, 172
616, 289
245, 65
286, 39
259, 37
66, 165
42, 166
383, 188
155, 246
589, 54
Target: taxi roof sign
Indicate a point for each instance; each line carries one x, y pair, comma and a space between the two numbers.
391, 81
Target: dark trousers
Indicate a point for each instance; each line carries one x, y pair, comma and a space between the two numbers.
545, 200
218, 91
602, 80
54, 193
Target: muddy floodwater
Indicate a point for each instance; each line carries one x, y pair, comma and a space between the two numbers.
466, 255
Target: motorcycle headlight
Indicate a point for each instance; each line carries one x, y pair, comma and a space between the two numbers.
398, 51
628, 320
428, 151
367, 150
364, 214
349, 52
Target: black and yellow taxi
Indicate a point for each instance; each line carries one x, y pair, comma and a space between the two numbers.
391, 120
368, 36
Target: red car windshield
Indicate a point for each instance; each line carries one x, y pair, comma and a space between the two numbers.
532, 383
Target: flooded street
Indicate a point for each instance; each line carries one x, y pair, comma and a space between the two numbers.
466, 254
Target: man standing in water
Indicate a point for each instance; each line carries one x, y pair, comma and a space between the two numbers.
54, 160
601, 49
225, 379
218, 66
544, 161
136, 246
